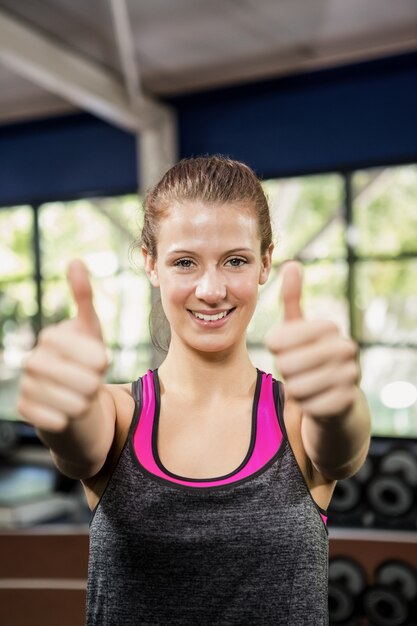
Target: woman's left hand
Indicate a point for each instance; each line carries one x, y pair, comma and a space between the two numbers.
318, 365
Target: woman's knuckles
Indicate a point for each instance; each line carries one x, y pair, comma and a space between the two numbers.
320, 380
39, 361
325, 392
40, 416
296, 333
334, 402
65, 333
50, 367
328, 351
45, 368
54, 346
71, 402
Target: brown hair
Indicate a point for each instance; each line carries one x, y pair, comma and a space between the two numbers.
211, 179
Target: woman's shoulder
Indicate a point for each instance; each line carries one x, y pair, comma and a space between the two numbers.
124, 403
119, 391
121, 395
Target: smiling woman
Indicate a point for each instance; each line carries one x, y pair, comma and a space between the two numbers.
209, 266
208, 492
210, 182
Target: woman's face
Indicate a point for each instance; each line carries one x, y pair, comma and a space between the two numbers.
208, 268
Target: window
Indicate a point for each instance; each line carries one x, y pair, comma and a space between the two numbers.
36, 244
18, 306
356, 236
385, 296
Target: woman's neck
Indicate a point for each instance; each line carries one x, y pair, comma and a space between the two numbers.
207, 375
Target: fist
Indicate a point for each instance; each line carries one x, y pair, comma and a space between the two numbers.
319, 366
62, 374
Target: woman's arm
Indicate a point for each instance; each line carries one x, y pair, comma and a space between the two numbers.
80, 450
321, 372
338, 445
61, 390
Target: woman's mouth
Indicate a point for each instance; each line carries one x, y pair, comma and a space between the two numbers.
214, 319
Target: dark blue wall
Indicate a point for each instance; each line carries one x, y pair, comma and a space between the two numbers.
62, 158
335, 119
344, 118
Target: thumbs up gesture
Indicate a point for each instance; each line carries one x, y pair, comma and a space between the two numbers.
318, 365
86, 320
63, 373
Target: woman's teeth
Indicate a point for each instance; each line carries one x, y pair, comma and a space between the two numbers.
210, 318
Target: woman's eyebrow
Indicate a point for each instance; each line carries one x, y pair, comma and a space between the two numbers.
235, 250
232, 251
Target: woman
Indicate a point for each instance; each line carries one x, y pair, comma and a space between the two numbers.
209, 495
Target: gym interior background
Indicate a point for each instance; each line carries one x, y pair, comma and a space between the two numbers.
320, 98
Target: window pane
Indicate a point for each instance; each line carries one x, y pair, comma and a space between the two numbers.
268, 311
389, 379
56, 304
324, 290
17, 301
324, 287
15, 242
387, 301
263, 360
100, 231
128, 364
385, 213
17, 307
306, 214
123, 304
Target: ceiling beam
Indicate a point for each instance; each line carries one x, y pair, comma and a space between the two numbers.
157, 145
126, 48
67, 74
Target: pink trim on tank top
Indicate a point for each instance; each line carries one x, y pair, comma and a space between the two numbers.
267, 442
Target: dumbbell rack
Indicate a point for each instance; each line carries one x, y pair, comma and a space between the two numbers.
370, 549
383, 494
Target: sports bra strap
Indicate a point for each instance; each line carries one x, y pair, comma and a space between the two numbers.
137, 391
279, 399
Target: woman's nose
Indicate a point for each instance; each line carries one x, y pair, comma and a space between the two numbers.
211, 287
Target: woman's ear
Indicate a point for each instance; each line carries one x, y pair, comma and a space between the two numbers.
266, 265
150, 267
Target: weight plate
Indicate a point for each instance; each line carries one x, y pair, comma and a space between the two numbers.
347, 573
341, 604
385, 607
346, 496
399, 575
389, 496
403, 462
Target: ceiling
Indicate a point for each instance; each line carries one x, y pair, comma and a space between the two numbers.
58, 56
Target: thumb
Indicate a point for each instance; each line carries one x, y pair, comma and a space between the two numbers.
86, 319
291, 289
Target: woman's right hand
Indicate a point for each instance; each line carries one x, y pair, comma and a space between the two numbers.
63, 373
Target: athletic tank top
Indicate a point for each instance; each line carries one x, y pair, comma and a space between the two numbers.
247, 548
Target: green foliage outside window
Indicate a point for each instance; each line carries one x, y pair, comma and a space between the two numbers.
376, 290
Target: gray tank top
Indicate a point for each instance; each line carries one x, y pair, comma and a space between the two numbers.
243, 549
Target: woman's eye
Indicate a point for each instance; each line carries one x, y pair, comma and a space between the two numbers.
236, 262
184, 263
